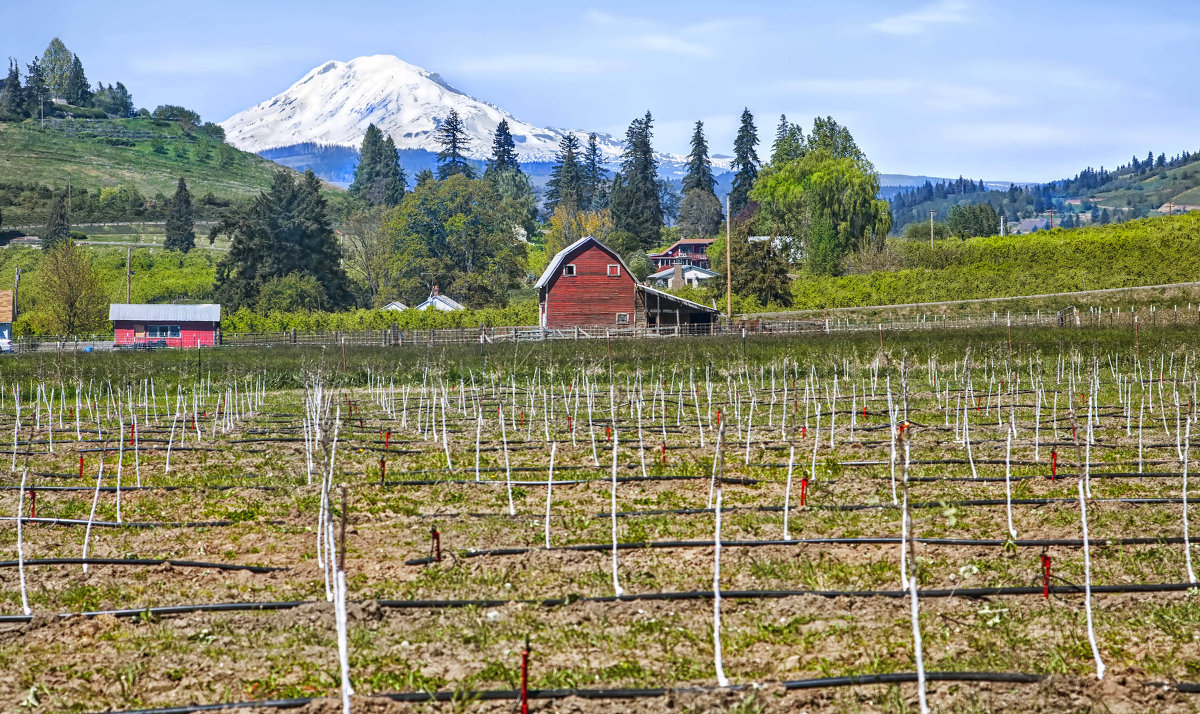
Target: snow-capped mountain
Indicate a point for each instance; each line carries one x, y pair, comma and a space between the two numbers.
334, 103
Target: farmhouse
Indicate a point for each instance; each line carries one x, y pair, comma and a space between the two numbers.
588, 285
440, 302
679, 275
688, 251
165, 325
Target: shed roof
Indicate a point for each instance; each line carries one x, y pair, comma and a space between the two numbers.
165, 313
675, 298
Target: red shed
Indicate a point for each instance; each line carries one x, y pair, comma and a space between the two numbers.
588, 285
166, 325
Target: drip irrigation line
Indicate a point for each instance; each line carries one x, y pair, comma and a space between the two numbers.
143, 562
619, 693
970, 593
113, 489
874, 540
137, 524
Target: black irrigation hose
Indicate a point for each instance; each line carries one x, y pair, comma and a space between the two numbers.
619, 693
972, 593
874, 540
827, 507
141, 561
137, 524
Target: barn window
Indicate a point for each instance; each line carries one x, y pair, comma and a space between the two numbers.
162, 331
614, 270
569, 270
622, 318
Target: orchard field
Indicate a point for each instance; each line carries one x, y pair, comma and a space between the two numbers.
951, 521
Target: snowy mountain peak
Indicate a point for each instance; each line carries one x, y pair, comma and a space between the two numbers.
335, 102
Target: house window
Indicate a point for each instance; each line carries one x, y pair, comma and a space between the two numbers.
622, 318
614, 270
569, 270
162, 331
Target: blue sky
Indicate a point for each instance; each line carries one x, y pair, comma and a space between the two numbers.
1017, 90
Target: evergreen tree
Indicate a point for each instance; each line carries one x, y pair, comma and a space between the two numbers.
378, 179
424, 176
635, 203
286, 230
565, 186
745, 163
699, 170
181, 234
77, 92
700, 214
58, 223
594, 196
504, 153
452, 136
781, 133
12, 100
36, 91
57, 61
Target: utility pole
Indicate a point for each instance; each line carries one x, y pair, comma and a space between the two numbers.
16, 294
728, 264
931, 229
1170, 207
128, 259
68, 197
1052, 218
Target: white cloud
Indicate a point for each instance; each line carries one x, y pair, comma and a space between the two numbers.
943, 12
671, 44
537, 64
700, 39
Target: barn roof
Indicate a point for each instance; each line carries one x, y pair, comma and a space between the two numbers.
165, 313
556, 262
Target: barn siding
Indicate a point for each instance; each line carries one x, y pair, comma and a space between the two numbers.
190, 334
591, 297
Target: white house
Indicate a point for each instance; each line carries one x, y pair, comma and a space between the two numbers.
677, 276
440, 302
395, 305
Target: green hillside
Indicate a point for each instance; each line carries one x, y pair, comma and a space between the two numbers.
137, 160
1151, 251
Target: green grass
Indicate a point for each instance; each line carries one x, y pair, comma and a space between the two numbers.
29, 154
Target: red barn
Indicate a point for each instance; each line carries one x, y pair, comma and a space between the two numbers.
165, 325
588, 285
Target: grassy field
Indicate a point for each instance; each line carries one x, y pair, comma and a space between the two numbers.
240, 492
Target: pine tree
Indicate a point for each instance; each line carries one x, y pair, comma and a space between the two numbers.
285, 232
77, 92
36, 91
781, 132
745, 163
424, 176
58, 223
12, 102
56, 63
181, 234
635, 202
699, 171
378, 178
452, 136
594, 196
504, 153
565, 186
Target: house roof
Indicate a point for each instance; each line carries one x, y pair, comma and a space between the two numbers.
557, 261
165, 313
442, 303
686, 241
394, 305
668, 272
675, 298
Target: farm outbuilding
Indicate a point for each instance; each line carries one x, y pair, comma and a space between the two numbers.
437, 301
165, 325
587, 284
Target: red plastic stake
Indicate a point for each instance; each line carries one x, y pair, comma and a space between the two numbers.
382, 470
608, 432
32, 503
437, 544
525, 678
522, 418
570, 428
803, 490
1053, 464
718, 417
664, 453
387, 439
1045, 576
803, 432
131, 434
81, 466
